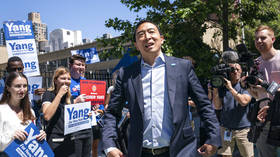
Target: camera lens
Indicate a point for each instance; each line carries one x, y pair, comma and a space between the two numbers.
252, 80
217, 81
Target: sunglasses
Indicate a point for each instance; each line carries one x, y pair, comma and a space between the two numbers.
16, 69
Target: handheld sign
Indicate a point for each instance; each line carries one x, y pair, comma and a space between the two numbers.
94, 91
33, 84
29, 147
20, 42
76, 117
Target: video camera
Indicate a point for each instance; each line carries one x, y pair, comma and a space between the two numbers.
220, 72
223, 70
251, 67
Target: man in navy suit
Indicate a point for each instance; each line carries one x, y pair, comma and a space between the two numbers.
156, 90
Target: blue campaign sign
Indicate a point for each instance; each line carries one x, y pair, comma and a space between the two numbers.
125, 61
20, 42
18, 30
90, 54
29, 147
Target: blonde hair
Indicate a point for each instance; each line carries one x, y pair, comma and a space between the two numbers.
60, 71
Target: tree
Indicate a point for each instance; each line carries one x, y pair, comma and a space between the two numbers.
184, 22
250, 34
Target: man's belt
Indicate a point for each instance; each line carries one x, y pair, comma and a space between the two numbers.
156, 151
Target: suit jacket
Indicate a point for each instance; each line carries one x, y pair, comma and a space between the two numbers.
181, 83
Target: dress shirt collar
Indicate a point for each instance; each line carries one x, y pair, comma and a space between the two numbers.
158, 61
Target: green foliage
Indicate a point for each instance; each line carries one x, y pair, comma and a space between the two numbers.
183, 24
268, 14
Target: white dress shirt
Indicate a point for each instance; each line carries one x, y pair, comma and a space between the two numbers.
157, 117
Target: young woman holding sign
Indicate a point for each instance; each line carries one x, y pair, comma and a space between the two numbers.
53, 108
15, 111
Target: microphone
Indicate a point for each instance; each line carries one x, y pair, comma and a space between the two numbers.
270, 87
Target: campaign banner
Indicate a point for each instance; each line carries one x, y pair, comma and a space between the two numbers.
76, 117
18, 30
20, 42
90, 54
94, 90
29, 147
33, 84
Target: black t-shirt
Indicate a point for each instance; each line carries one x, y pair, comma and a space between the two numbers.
56, 124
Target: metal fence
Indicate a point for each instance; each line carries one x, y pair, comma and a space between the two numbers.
102, 75
96, 75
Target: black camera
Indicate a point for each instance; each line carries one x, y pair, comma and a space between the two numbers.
254, 76
271, 88
220, 72
251, 67
252, 114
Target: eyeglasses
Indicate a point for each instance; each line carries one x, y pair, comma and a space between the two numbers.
16, 69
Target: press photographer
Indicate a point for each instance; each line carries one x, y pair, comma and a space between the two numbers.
269, 68
258, 114
251, 70
232, 100
220, 72
223, 70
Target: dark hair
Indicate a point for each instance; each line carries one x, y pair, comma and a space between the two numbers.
76, 57
24, 103
140, 23
13, 59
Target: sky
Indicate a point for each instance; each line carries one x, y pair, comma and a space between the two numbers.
88, 16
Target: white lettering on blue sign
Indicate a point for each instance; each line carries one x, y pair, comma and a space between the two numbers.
76, 114
18, 28
36, 150
30, 136
33, 145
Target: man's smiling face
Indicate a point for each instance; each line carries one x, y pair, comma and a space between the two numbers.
148, 39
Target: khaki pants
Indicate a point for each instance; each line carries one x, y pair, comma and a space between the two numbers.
239, 137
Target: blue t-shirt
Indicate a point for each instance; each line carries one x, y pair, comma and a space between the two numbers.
75, 87
233, 115
75, 91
